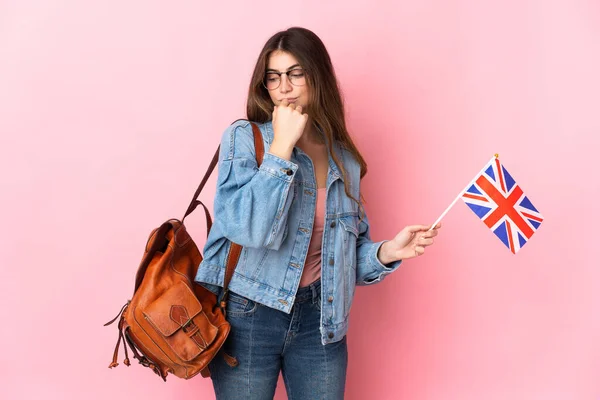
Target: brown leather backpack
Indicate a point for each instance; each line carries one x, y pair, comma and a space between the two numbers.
171, 323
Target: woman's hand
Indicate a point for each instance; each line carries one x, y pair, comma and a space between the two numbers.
288, 127
410, 242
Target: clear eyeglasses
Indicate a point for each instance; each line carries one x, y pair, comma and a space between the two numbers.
273, 79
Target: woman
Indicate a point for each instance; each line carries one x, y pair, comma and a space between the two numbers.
305, 236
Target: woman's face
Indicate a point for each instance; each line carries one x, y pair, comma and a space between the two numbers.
293, 86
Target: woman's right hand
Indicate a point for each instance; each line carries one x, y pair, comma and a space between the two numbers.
288, 126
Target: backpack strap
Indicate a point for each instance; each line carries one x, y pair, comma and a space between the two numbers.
235, 250
195, 202
260, 152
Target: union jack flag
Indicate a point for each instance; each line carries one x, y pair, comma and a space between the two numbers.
501, 204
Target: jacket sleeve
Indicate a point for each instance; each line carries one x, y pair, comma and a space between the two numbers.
369, 269
252, 203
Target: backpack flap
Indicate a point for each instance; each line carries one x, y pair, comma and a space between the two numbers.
177, 315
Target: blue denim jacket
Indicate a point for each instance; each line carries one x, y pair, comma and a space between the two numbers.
269, 210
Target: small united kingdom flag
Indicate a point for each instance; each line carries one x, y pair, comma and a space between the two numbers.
500, 203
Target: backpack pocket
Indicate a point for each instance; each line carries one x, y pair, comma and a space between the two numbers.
178, 317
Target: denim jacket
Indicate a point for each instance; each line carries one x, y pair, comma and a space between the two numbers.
269, 210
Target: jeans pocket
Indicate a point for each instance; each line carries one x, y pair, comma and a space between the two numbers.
240, 306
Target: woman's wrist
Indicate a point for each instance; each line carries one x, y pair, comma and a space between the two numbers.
384, 255
281, 151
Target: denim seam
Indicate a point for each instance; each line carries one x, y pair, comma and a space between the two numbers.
288, 334
326, 368
261, 263
250, 355
288, 383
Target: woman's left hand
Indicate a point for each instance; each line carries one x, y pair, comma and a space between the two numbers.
410, 242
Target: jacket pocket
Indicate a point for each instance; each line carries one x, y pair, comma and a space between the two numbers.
350, 225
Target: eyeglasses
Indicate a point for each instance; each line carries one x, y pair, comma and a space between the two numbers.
273, 79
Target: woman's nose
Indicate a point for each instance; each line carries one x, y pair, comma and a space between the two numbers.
285, 85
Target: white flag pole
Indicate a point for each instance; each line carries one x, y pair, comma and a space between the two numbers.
463, 191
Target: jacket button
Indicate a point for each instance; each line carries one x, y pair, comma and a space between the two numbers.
330, 299
332, 225
289, 172
331, 261
330, 335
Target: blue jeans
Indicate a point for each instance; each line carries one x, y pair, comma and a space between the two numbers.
266, 341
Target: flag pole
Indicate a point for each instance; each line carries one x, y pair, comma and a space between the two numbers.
463, 191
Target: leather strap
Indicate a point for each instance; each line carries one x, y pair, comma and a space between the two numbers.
260, 150
194, 203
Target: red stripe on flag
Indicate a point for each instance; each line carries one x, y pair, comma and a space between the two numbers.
499, 169
506, 206
475, 197
533, 217
510, 238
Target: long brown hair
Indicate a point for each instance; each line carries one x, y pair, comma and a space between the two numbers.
325, 108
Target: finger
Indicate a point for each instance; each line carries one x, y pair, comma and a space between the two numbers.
425, 242
430, 234
419, 250
299, 109
416, 228
284, 103
431, 227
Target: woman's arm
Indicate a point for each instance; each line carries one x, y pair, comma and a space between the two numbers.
252, 203
375, 260
370, 268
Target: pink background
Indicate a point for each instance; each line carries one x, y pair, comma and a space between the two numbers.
109, 112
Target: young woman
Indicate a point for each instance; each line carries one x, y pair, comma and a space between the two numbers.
300, 220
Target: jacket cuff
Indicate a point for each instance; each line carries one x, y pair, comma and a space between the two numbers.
278, 167
380, 269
